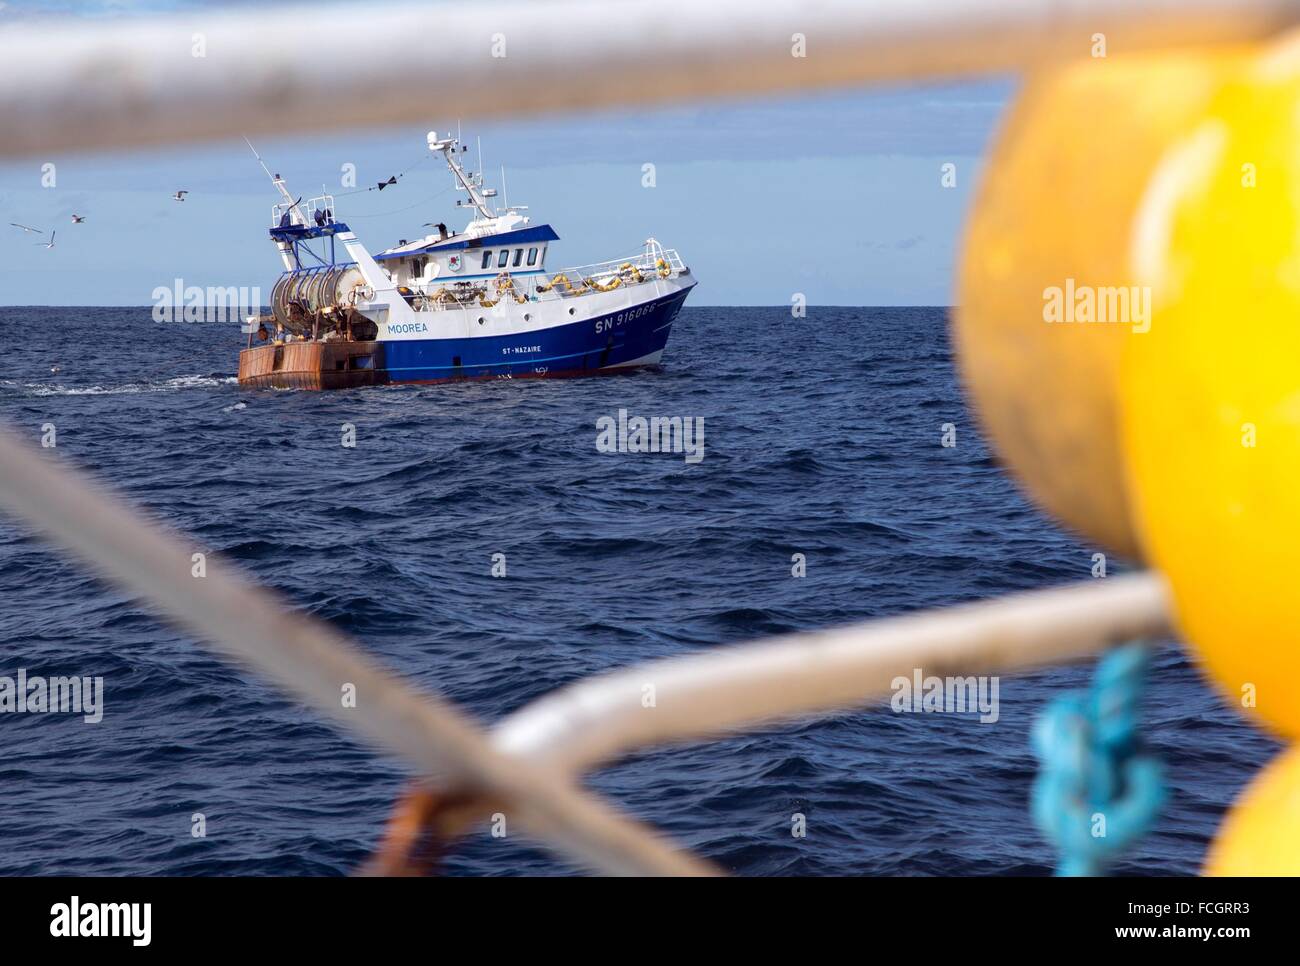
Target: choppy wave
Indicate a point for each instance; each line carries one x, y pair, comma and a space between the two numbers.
822, 443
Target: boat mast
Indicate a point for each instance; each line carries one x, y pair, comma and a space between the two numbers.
279, 185
447, 146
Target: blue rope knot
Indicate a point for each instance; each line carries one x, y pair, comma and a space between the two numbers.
1096, 793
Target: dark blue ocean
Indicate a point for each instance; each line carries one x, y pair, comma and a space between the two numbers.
822, 438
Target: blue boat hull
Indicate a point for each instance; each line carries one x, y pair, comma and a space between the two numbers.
605, 344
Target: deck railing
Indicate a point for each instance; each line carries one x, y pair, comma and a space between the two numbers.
149, 88
303, 212
567, 283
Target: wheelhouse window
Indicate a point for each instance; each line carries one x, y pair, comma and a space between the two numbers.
519, 258
503, 258
487, 260
417, 267
532, 256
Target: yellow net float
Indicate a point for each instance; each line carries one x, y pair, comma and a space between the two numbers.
1261, 833
505, 286
1211, 395
1045, 249
562, 279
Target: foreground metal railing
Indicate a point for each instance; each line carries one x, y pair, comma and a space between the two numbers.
531, 760
71, 84
82, 86
310, 660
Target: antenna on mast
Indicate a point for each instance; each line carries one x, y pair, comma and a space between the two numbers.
259, 160
479, 139
278, 182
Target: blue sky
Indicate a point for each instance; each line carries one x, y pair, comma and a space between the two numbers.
835, 195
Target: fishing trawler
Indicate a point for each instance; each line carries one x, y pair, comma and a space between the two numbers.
473, 304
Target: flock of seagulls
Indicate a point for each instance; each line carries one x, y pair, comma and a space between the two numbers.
76, 220
38, 231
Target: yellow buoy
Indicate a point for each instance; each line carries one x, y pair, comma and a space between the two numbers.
1261, 833
1046, 250
1211, 395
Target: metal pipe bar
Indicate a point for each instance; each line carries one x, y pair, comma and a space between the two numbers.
76, 85
531, 755
309, 659
708, 694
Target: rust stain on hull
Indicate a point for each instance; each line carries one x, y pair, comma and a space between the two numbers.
312, 365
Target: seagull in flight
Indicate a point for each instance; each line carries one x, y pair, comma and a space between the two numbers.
49, 244
179, 196
39, 231
78, 219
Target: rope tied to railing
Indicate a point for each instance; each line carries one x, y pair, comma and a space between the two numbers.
1097, 791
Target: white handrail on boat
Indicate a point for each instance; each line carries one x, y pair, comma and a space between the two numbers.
75, 84
467, 294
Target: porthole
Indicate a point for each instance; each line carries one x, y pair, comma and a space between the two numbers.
480, 320
527, 317
570, 311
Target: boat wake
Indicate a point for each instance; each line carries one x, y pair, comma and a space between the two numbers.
16, 387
